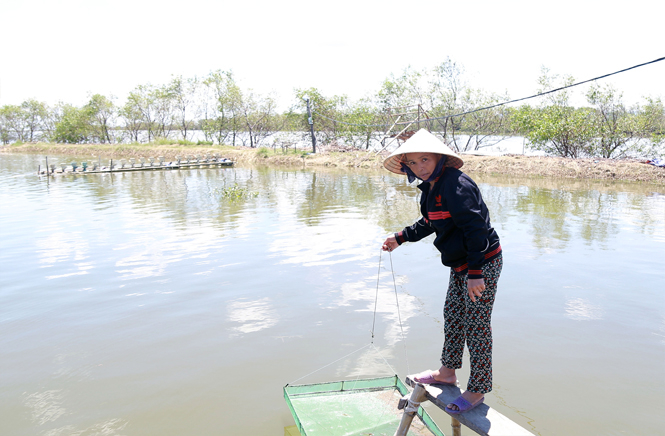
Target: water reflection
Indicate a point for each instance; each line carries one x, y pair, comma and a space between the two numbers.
372, 362
110, 427
253, 316
554, 216
59, 247
661, 332
45, 406
582, 309
151, 250
321, 245
553, 212
152, 289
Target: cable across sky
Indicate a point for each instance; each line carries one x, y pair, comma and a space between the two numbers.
506, 102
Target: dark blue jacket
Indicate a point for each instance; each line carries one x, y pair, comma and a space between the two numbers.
456, 212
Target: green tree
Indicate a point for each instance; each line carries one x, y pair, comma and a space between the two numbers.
557, 127
35, 115
163, 109
406, 89
652, 118
259, 117
15, 123
73, 125
150, 109
140, 107
616, 129
132, 117
482, 128
222, 110
446, 88
326, 112
521, 120
568, 131
102, 112
184, 94
5, 133
449, 94
651, 125
362, 117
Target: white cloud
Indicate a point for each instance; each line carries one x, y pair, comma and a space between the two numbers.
252, 316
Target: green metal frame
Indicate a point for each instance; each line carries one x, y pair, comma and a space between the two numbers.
313, 391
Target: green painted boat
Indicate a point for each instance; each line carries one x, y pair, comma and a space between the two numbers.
353, 407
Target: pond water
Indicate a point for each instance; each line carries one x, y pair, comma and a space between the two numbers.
150, 303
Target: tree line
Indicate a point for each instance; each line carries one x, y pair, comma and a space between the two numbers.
221, 112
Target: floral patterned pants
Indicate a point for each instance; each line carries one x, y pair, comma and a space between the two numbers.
470, 323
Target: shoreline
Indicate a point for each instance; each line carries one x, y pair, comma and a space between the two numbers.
535, 166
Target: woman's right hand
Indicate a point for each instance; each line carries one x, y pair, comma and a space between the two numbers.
390, 243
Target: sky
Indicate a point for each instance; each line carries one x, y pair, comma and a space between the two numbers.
66, 50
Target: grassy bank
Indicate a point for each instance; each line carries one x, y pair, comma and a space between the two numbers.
602, 169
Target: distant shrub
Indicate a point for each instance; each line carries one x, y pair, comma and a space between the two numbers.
263, 152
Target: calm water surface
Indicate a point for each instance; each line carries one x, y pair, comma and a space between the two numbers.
151, 304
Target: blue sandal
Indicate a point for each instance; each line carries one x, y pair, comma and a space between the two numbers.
463, 405
427, 378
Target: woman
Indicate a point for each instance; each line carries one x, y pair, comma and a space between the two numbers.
453, 209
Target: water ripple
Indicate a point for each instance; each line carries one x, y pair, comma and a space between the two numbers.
581, 309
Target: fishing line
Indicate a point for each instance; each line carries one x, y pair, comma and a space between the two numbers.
376, 296
371, 343
399, 316
384, 359
331, 363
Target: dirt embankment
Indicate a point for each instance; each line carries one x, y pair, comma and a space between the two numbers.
515, 165
600, 169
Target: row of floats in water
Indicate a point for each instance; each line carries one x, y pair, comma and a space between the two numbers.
132, 164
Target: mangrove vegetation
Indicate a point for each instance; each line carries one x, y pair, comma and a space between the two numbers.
214, 109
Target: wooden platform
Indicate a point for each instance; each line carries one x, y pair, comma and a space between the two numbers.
482, 419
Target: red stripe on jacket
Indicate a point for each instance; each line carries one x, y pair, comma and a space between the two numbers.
440, 215
487, 256
493, 252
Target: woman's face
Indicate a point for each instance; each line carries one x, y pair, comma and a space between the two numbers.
422, 164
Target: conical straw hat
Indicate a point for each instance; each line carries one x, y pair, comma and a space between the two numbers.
421, 142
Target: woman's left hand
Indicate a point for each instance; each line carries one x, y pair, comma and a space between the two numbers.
475, 288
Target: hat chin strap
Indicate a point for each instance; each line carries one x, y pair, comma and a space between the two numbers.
438, 169
409, 174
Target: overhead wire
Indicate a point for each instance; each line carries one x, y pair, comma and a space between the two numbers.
540, 94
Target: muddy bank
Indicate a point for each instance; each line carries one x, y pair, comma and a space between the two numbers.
600, 169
